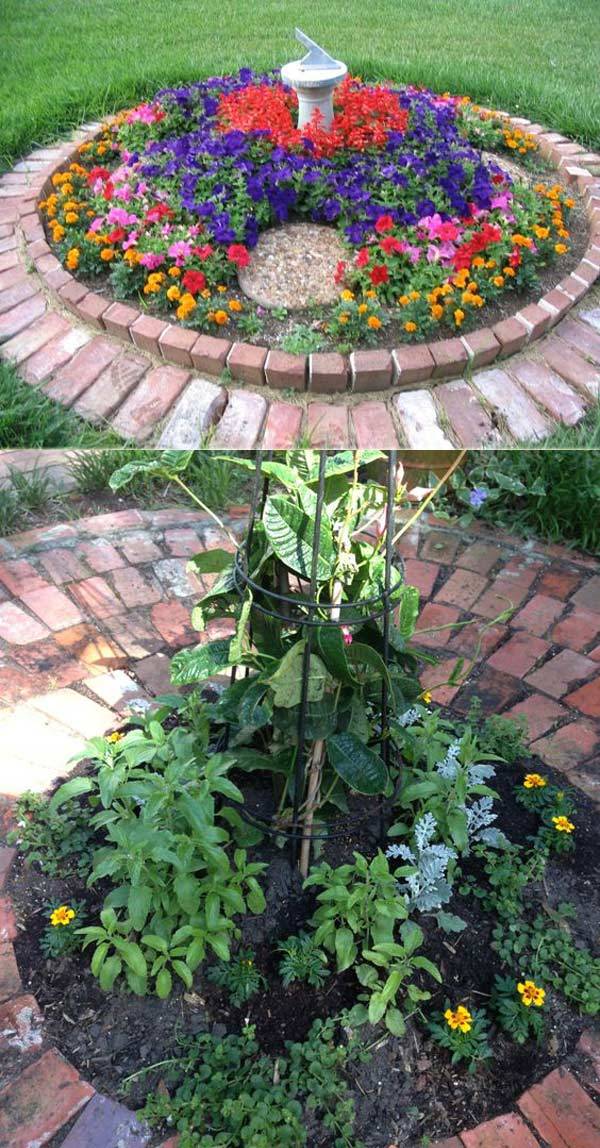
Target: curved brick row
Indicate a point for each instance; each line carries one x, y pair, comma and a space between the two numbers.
157, 382
88, 612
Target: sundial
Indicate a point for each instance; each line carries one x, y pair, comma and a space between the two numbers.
313, 78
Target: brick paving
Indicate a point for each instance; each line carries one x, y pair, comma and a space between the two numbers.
92, 611
156, 383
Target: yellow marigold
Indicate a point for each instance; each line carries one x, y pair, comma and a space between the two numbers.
447, 289
414, 295
173, 293
107, 254
569, 202
437, 311
531, 994
458, 316
410, 327
71, 205
186, 306
426, 697
404, 300
541, 232
343, 318
373, 322
363, 308
72, 260
459, 1018
62, 916
562, 231
221, 289
115, 737
479, 261
235, 306
522, 240
562, 824
370, 294
66, 190
561, 248
491, 263
132, 256
509, 272
534, 781
71, 217
174, 272
347, 296
221, 318
58, 231
77, 169
205, 294
498, 281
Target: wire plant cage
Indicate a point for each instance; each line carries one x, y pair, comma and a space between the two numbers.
297, 605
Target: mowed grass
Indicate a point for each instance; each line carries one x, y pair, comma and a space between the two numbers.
66, 63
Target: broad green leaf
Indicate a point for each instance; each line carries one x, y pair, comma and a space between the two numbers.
98, 958
360, 654
409, 611
187, 891
394, 1021
286, 682
450, 922
458, 826
164, 984
377, 1007
184, 972
291, 532
345, 949
211, 562
412, 936
138, 905
332, 649
109, 972
239, 642
73, 788
200, 662
361, 769
155, 942
170, 463
132, 955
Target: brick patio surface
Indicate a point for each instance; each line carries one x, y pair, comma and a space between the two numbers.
90, 612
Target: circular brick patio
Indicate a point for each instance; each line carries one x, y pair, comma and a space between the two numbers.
90, 612
159, 383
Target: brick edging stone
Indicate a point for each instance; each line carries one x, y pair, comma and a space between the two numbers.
393, 369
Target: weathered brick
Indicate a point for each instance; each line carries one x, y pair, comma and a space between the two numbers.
149, 402
462, 589
99, 401
435, 617
198, 409
371, 370
327, 426
511, 335
519, 654
139, 548
423, 575
495, 689
118, 320
19, 577
481, 346
576, 630
283, 370
210, 354
588, 595
53, 607
78, 713
559, 582
21, 1024
507, 1131
46, 1095
541, 712
134, 589
19, 628
586, 698
134, 634
449, 356
562, 1112
550, 391
480, 557
412, 365
34, 336
8, 925
72, 294
247, 363
100, 555
467, 416
92, 308
172, 620
19, 318
373, 423
7, 856
83, 369
176, 344
242, 421
538, 615
557, 304
10, 981
435, 679
282, 426
439, 545
146, 332
520, 414
580, 336
558, 676
53, 355
104, 1122
96, 597
419, 420
155, 674
328, 372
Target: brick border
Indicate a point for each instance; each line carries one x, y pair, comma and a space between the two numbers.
556, 594
397, 368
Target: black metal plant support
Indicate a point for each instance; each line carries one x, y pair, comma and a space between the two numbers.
308, 613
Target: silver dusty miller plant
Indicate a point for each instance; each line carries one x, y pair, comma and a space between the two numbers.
428, 888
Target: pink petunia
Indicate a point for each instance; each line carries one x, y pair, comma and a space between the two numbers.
180, 251
152, 260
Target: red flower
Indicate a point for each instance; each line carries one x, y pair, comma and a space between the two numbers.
194, 281
117, 235
362, 257
379, 274
514, 258
97, 173
384, 223
238, 254
390, 244
203, 252
158, 212
340, 271
108, 190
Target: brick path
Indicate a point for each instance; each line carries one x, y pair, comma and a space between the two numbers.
161, 384
90, 612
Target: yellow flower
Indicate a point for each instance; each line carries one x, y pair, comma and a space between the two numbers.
205, 294
561, 248
534, 781
72, 260
71, 217
186, 306
458, 316
410, 327
437, 311
362, 308
173, 293
459, 1018
107, 254
562, 824
498, 280
373, 322
530, 994
58, 231
370, 294
347, 296
343, 318
235, 305
479, 261
415, 295
114, 737
541, 232
404, 300
221, 289
221, 318
174, 272
62, 916
426, 697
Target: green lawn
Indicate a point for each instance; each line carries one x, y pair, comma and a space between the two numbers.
64, 63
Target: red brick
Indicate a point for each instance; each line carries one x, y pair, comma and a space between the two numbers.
113, 385
557, 304
57, 279
242, 421
149, 402
53, 355
101, 524
210, 354
586, 698
481, 346
495, 689
282, 426
7, 857
538, 615
91, 648
83, 369
18, 627
133, 588
146, 332
46, 1095
434, 679
561, 673
511, 586
172, 620
468, 418
48, 664
511, 335
412, 365
541, 714
328, 426
373, 423
449, 357
155, 674
573, 287
535, 320
283, 370
328, 372
96, 597
477, 640
588, 595
53, 607
558, 581
519, 654
453, 1142
182, 543
247, 363
8, 926
423, 575
176, 344
589, 1045
20, 1024
92, 308
47, 264
62, 565
34, 336
577, 629
507, 1131
550, 391
371, 370
20, 576
572, 366
561, 1112
19, 318
10, 981
520, 414
72, 294
100, 555
418, 418
9, 259
12, 276
480, 557
569, 746
433, 617
462, 589
118, 319
580, 336
139, 548
134, 634
439, 545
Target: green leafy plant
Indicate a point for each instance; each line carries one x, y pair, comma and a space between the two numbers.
503, 737
554, 957
509, 874
61, 844
302, 960
224, 1090
302, 339
61, 935
239, 977
359, 907
518, 1005
465, 1034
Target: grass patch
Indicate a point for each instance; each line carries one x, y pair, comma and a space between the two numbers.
217, 482
540, 58
29, 419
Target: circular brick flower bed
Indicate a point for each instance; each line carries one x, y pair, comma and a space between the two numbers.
162, 382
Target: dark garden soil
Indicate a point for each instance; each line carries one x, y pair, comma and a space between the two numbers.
409, 1089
